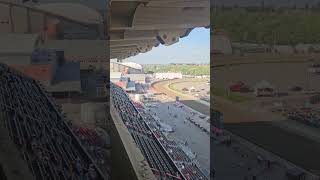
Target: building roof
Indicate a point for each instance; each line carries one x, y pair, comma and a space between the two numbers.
67, 78
43, 56
115, 75
136, 77
41, 72
131, 86
123, 79
121, 84
132, 65
68, 72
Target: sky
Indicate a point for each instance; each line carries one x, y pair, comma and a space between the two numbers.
195, 48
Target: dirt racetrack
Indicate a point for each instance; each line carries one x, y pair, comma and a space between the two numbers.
297, 149
187, 100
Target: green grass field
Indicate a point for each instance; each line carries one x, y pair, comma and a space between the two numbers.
231, 96
173, 87
280, 27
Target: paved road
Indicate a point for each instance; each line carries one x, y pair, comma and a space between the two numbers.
198, 141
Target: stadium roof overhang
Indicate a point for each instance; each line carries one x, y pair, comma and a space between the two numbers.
136, 26
21, 15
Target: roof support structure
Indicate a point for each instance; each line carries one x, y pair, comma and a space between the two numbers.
148, 23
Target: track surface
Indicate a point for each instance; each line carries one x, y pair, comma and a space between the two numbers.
294, 148
161, 86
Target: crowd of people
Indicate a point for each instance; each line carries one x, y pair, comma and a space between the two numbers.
95, 146
39, 131
153, 144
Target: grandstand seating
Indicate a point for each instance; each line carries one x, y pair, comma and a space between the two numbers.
38, 129
88, 136
192, 172
146, 136
95, 145
175, 152
141, 134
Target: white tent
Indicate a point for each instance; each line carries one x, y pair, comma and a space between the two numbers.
262, 85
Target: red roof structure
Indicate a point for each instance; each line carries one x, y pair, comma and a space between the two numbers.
40, 72
121, 84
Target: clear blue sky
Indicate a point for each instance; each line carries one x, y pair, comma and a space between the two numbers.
195, 48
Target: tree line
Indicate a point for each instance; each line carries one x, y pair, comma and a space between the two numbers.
283, 27
195, 70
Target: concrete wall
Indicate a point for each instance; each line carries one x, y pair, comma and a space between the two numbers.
127, 160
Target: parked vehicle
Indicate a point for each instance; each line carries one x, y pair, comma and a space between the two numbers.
239, 87
296, 88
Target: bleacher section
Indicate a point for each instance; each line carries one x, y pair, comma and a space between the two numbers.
159, 162
96, 146
165, 157
43, 138
183, 162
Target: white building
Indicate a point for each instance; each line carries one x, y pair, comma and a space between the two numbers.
126, 67
167, 75
133, 65
137, 78
115, 76
284, 49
